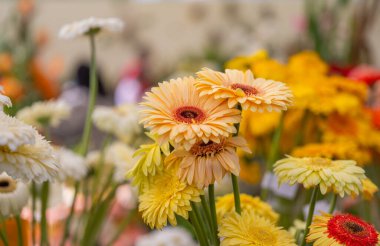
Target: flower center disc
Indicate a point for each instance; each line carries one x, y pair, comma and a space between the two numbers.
206, 149
321, 162
7, 185
353, 227
189, 114
248, 90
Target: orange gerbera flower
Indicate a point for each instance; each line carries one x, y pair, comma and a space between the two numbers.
175, 111
241, 87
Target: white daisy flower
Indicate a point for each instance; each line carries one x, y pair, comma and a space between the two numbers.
169, 236
73, 166
4, 100
89, 25
46, 113
13, 195
24, 153
121, 121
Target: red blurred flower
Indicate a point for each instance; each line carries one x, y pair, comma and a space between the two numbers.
365, 73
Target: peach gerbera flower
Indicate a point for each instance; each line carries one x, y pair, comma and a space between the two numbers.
175, 111
241, 87
206, 163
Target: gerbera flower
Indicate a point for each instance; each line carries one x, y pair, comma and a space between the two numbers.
340, 230
175, 111
73, 165
13, 195
43, 114
121, 121
90, 25
165, 198
24, 154
151, 159
174, 236
240, 87
369, 189
4, 100
251, 229
225, 205
342, 176
206, 163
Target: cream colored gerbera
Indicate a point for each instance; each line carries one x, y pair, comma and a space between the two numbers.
249, 229
90, 25
43, 114
13, 195
121, 121
175, 111
342, 230
73, 166
4, 100
342, 176
206, 163
166, 197
241, 87
225, 205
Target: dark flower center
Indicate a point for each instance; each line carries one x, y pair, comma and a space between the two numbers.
248, 90
207, 149
353, 227
189, 114
4, 183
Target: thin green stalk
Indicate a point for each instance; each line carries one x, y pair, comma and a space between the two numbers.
200, 219
44, 203
333, 203
34, 200
3, 236
69, 218
211, 198
207, 210
310, 214
235, 186
92, 98
100, 164
20, 239
198, 230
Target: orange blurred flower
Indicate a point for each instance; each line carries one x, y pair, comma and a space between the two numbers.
5, 62
47, 87
12, 88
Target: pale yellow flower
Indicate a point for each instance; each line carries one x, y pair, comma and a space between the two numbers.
248, 229
73, 166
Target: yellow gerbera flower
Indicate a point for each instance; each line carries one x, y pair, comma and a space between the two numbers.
225, 205
240, 87
342, 176
248, 229
204, 163
307, 63
342, 230
150, 162
369, 189
166, 197
175, 111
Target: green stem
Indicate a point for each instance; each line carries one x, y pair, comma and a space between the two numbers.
206, 209
200, 219
92, 99
34, 200
20, 240
310, 214
3, 231
235, 186
333, 203
69, 218
205, 213
198, 230
44, 203
211, 198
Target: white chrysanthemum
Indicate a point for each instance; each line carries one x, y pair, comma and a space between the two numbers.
4, 100
121, 121
85, 26
117, 155
13, 195
73, 166
48, 113
14, 133
169, 236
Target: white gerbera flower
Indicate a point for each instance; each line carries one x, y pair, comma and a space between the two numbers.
13, 195
121, 121
48, 113
90, 25
169, 236
73, 166
4, 100
14, 133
